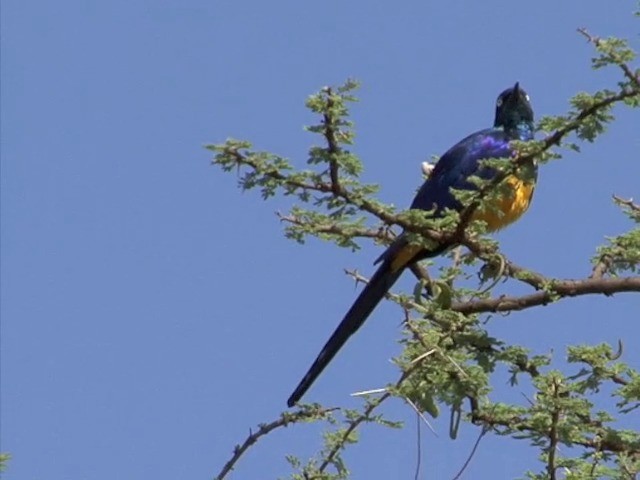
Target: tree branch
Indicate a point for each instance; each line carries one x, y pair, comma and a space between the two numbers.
558, 288
263, 429
597, 41
520, 424
382, 234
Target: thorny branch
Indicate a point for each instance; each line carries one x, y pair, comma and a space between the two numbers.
604, 442
561, 288
366, 415
597, 41
557, 289
263, 429
382, 234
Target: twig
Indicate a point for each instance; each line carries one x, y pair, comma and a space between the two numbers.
423, 356
602, 266
625, 68
420, 414
497, 276
335, 229
264, 429
353, 424
364, 393
455, 364
473, 452
627, 202
419, 446
420, 272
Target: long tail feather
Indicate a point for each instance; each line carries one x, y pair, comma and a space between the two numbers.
378, 285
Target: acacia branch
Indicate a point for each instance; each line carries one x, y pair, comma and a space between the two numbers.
597, 41
353, 424
263, 429
366, 415
554, 290
557, 288
381, 233
602, 442
342, 193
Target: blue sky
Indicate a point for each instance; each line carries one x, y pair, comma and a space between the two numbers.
152, 313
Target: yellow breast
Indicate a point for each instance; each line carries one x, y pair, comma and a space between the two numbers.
513, 201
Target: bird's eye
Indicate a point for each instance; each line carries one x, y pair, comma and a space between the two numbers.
499, 102
526, 97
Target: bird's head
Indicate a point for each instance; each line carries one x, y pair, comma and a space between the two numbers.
513, 109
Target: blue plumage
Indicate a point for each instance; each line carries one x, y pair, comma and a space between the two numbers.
513, 121
462, 161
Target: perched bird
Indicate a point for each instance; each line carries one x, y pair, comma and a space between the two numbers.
513, 121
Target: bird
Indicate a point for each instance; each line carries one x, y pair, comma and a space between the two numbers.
513, 121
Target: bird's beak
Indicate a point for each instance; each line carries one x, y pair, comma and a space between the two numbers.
516, 89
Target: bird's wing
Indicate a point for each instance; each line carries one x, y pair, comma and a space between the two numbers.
456, 166
452, 171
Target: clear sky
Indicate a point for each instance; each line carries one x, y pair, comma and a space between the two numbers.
152, 313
